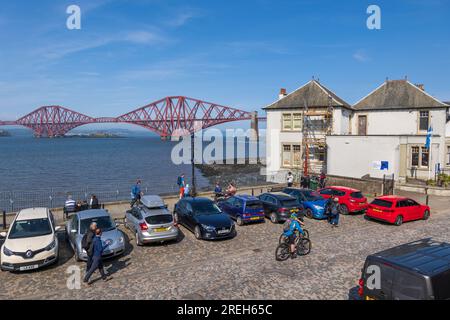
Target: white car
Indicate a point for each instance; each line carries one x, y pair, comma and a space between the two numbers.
30, 242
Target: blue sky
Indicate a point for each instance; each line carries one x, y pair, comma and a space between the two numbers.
236, 53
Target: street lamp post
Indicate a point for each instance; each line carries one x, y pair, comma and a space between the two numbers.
193, 187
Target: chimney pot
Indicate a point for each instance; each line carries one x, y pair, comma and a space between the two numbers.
421, 86
282, 93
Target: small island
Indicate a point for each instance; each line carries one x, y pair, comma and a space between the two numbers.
94, 135
4, 133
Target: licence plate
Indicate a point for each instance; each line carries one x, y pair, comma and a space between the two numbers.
369, 298
31, 267
223, 231
255, 218
294, 210
161, 229
377, 210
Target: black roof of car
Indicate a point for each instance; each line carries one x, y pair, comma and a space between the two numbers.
197, 200
425, 256
281, 196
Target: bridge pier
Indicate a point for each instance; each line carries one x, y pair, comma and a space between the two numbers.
254, 126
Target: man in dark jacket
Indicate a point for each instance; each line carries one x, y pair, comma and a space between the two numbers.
97, 263
333, 209
87, 243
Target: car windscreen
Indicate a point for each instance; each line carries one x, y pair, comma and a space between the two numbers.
253, 205
289, 203
159, 219
200, 208
104, 223
382, 203
356, 195
30, 228
312, 196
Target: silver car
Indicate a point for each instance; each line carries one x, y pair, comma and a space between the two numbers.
151, 221
79, 224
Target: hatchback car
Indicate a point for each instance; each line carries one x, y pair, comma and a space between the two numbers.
279, 206
350, 200
418, 270
79, 224
243, 208
151, 221
396, 210
313, 203
204, 218
31, 241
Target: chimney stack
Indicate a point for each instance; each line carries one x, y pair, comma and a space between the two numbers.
421, 86
282, 93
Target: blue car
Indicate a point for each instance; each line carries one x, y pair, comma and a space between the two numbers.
243, 208
313, 202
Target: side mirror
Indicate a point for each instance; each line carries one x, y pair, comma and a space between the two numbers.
57, 228
3, 234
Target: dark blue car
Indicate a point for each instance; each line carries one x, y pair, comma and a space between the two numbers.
243, 208
312, 201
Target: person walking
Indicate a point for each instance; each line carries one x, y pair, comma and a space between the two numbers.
181, 182
136, 193
186, 191
333, 210
290, 179
93, 203
87, 243
97, 247
322, 180
70, 206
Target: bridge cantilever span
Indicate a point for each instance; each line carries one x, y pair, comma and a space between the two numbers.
171, 116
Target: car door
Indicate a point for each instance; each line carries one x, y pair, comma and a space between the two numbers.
74, 229
263, 199
401, 210
129, 219
189, 216
180, 212
415, 209
227, 205
409, 286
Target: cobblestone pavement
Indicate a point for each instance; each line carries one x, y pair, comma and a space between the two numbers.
240, 268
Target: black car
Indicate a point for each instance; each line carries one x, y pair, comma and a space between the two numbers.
418, 270
204, 218
279, 206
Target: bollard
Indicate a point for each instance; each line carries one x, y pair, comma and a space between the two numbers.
253, 192
4, 219
427, 196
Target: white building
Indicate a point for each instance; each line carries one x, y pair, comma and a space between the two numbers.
326, 113
383, 133
388, 135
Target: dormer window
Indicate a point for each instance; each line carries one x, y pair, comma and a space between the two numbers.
424, 120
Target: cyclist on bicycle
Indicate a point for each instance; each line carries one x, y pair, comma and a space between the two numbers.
296, 224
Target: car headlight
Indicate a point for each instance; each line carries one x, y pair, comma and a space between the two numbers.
84, 251
208, 228
51, 246
317, 207
7, 252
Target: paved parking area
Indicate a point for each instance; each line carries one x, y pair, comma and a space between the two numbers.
240, 268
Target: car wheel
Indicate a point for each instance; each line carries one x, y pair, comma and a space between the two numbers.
77, 256
426, 215
138, 242
273, 217
197, 233
308, 213
344, 209
398, 221
239, 221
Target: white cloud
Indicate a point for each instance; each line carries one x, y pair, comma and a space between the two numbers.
182, 18
361, 56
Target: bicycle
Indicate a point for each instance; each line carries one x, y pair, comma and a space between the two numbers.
302, 244
284, 239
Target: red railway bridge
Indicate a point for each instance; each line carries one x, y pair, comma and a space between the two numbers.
169, 117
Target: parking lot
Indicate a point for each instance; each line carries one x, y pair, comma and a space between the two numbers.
240, 268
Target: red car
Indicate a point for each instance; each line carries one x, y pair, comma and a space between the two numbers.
351, 200
396, 210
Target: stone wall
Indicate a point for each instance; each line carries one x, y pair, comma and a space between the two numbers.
372, 187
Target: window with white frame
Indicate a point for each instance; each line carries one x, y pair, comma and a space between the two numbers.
448, 156
291, 121
291, 155
419, 156
424, 120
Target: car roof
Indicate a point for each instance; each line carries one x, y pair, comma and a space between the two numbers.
281, 195
152, 201
302, 190
391, 197
197, 200
92, 213
426, 256
32, 213
246, 197
148, 212
344, 188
